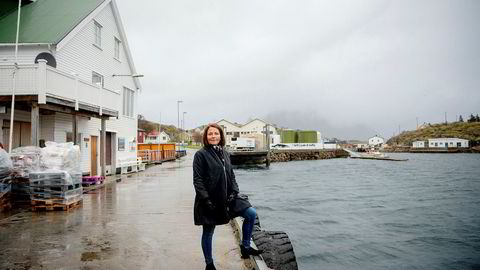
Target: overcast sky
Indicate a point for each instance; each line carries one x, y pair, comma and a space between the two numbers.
346, 68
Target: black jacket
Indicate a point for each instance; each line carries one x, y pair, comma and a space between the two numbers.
214, 180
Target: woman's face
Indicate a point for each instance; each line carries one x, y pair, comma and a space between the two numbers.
213, 136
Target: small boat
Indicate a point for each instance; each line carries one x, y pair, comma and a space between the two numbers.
372, 155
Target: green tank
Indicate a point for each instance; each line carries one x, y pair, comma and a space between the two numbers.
307, 136
288, 136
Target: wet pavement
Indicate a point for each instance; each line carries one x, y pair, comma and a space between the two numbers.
145, 221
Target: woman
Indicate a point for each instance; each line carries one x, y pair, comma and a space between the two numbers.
215, 187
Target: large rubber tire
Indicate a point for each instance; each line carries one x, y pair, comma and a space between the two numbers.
277, 249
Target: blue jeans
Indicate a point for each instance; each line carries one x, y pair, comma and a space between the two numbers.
249, 220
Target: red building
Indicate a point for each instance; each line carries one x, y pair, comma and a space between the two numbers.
141, 134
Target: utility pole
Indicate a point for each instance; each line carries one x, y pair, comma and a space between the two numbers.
267, 130
160, 123
417, 122
446, 118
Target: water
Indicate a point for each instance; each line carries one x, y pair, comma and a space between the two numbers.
368, 214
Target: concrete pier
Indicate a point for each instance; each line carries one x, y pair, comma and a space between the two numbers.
144, 221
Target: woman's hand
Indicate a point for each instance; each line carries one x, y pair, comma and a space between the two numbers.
232, 196
209, 205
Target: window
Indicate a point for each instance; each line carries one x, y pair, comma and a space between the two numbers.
97, 79
128, 96
116, 52
98, 34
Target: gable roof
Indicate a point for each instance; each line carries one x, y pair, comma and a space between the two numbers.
240, 125
45, 21
233, 124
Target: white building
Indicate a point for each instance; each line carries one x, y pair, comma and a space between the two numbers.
376, 141
253, 129
75, 81
447, 142
155, 137
418, 144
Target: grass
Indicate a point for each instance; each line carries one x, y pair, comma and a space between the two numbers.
467, 131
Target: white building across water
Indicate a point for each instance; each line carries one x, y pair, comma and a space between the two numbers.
418, 144
75, 80
447, 142
376, 141
254, 129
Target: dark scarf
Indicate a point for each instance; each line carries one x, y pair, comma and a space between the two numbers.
219, 152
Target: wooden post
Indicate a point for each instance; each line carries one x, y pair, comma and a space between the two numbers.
35, 127
75, 129
268, 145
76, 92
103, 135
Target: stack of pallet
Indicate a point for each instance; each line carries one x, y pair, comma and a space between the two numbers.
5, 188
25, 160
58, 183
93, 180
55, 190
5, 180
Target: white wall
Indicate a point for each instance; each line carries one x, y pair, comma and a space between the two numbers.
375, 140
418, 144
80, 56
447, 142
26, 54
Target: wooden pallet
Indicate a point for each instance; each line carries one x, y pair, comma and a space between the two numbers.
56, 207
52, 201
87, 183
5, 202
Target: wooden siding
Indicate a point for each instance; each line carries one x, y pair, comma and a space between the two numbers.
80, 56
26, 54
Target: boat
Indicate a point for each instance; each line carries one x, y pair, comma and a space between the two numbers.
372, 155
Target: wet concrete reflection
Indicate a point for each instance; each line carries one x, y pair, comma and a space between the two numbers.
144, 221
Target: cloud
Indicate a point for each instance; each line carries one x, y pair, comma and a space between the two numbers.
359, 66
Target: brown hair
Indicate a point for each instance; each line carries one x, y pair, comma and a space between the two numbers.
205, 131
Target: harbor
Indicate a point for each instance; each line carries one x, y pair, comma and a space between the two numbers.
366, 214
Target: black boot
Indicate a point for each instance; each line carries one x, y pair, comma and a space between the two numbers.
210, 266
246, 252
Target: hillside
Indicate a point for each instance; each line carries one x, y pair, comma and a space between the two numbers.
468, 131
174, 133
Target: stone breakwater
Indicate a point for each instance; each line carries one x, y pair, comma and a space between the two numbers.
289, 155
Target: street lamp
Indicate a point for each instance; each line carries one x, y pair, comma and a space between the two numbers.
178, 113
128, 75
183, 121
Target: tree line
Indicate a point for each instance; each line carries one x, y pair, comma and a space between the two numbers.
471, 119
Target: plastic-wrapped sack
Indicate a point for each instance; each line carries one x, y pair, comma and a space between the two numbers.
5, 164
25, 159
60, 156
